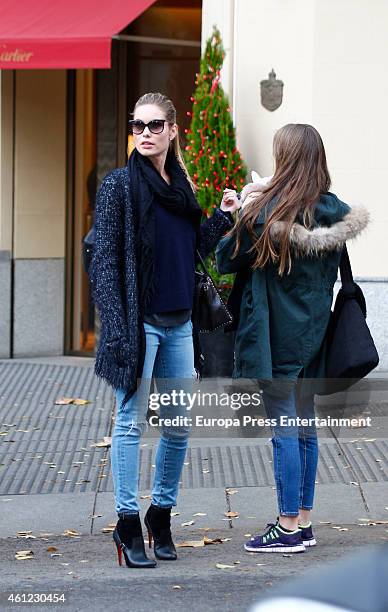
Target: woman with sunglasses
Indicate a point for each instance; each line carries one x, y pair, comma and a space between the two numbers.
148, 227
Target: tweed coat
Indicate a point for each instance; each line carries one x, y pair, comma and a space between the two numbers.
113, 278
282, 320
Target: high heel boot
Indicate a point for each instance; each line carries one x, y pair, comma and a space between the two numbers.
128, 536
158, 523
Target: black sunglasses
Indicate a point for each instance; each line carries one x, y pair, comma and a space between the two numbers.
156, 126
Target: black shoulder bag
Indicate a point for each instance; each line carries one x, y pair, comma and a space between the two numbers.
351, 352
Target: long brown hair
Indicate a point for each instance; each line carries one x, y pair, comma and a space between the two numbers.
300, 177
166, 105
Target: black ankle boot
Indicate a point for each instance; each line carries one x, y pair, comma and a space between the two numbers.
158, 523
128, 536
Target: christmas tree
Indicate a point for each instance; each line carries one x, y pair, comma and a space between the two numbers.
211, 155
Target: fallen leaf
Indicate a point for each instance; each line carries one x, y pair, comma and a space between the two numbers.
231, 491
108, 529
52, 549
200, 514
71, 532
208, 541
191, 544
175, 513
224, 566
81, 402
20, 555
187, 524
100, 444
145, 496
64, 400
232, 514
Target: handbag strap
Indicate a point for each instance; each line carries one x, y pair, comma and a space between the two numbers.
348, 284
202, 263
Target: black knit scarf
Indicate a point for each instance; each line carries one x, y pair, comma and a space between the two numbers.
146, 184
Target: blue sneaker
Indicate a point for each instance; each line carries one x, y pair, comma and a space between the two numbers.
276, 540
307, 535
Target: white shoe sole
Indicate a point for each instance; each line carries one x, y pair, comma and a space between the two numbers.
308, 543
280, 549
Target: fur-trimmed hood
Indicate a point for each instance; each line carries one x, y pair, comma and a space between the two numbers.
322, 239
326, 237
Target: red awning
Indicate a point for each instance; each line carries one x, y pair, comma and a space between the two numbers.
62, 33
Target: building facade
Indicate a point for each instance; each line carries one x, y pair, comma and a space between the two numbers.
333, 60
62, 130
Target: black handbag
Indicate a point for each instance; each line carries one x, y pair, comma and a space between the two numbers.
351, 353
209, 310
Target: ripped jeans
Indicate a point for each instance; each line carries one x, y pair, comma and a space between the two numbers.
169, 356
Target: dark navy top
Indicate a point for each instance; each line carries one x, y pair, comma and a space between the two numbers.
174, 264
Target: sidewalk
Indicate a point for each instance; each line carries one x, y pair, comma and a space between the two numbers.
53, 480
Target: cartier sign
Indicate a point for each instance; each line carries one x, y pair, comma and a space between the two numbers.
14, 55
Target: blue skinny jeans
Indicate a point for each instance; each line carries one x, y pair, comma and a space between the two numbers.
295, 450
169, 358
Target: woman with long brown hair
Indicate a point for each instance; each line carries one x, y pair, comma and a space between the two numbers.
148, 229
286, 248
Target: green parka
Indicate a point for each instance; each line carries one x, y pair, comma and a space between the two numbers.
283, 319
